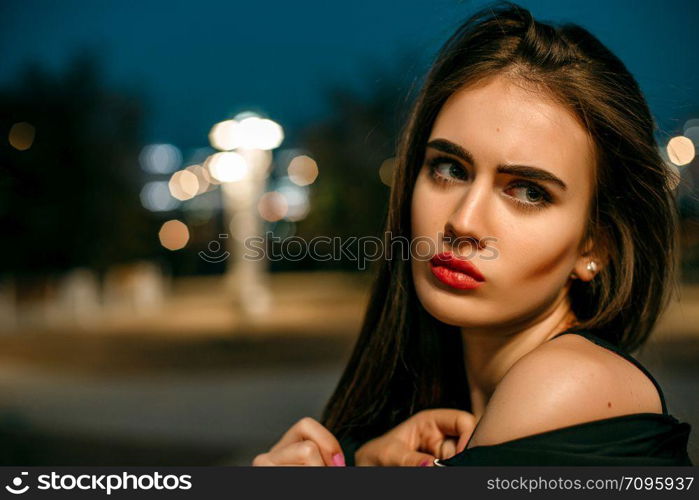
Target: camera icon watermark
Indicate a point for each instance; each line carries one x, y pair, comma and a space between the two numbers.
214, 254
16, 487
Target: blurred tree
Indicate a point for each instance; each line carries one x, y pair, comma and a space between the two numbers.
349, 198
72, 198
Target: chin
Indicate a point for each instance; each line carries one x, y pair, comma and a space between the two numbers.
455, 310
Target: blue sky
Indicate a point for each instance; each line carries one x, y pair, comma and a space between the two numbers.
200, 61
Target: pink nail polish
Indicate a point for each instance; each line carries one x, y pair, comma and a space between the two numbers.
424, 463
338, 460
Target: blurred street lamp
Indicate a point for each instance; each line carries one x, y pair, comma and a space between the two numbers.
243, 175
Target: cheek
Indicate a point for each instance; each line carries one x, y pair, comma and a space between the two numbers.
426, 211
541, 251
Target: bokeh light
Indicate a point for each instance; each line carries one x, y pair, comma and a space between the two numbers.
303, 170
386, 171
206, 173
692, 133
173, 235
692, 122
183, 185
680, 150
22, 135
160, 158
272, 206
225, 135
247, 130
227, 166
261, 133
296, 199
691, 130
155, 196
203, 178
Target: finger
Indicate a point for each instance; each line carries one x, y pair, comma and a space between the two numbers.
262, 460
448, 448
452, 422
301, 453
417, 459
310, 429
398, 454
438, 424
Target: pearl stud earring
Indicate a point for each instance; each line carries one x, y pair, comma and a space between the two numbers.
591, 266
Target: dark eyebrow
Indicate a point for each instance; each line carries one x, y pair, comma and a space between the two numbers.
526, 171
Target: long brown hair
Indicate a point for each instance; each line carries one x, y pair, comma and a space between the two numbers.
405, 360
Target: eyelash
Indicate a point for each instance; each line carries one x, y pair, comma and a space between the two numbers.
546, 196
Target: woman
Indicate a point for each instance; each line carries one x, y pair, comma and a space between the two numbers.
529, 161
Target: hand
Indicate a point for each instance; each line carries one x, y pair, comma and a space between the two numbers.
307, 442
429, 434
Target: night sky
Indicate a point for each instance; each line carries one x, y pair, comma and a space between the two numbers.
198, 62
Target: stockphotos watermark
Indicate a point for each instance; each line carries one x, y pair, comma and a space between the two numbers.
359, 249
106, 483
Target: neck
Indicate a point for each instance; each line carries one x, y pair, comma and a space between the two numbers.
490, 353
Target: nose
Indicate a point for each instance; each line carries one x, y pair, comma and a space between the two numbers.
468, 220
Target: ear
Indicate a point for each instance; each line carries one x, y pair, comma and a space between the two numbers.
590, 261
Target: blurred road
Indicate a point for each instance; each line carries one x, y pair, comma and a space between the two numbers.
190, 418
221, 395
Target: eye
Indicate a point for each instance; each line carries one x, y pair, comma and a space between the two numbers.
445, 169
531, 195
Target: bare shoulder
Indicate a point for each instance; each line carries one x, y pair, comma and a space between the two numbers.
566, 381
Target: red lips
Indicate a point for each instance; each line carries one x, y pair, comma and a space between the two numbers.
455, 272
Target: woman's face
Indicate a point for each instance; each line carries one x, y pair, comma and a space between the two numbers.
475, 185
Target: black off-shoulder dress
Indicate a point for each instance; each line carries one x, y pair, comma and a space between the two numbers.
643, 439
